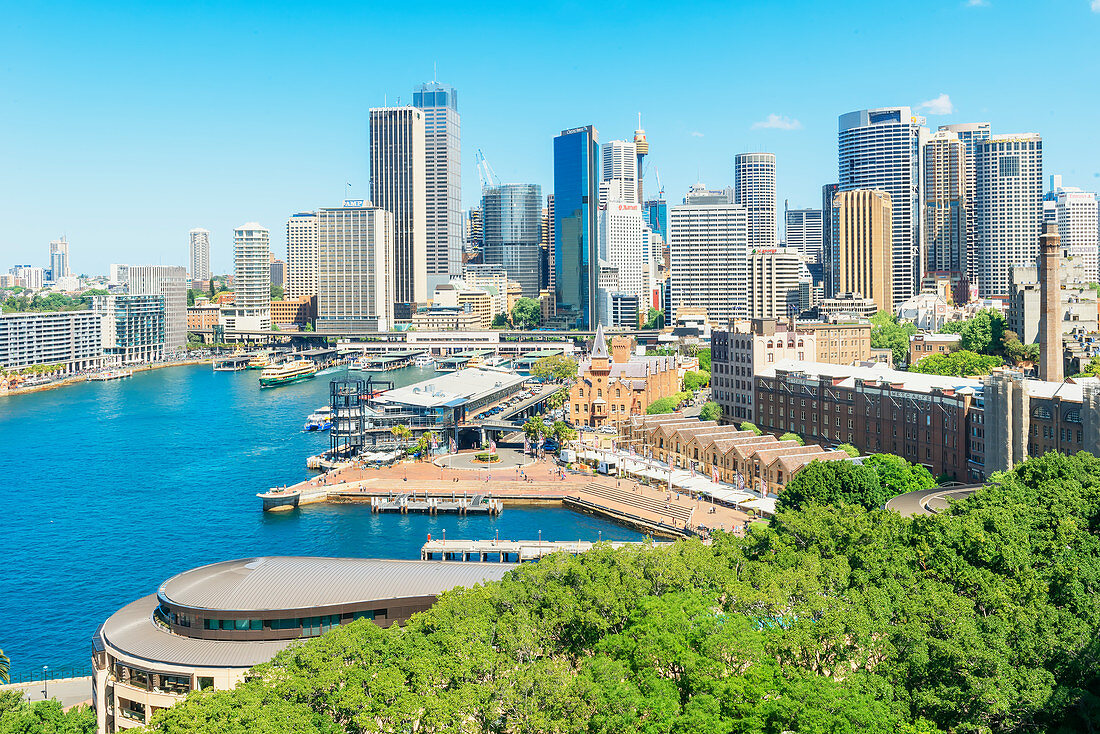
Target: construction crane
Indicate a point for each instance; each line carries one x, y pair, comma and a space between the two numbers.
485, 173
660, 188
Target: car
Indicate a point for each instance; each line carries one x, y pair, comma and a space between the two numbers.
607, 429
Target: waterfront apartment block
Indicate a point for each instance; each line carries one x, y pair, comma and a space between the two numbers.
169, 282
135, 327
251, 309
922, 418
205, 628
73, 340
200, 254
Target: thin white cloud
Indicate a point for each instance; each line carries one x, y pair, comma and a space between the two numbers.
983, 3
777, 122
941, 105
696, 134
1095, 5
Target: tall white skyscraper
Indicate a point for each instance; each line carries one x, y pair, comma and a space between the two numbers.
803, 233
970, 133
1008, 207
708, 253
251, 310
355, 274
443, 176
200, 254
1078, 228
880, 149
301, 255
398, 185
943, 202
623, 234
59, 260
171, 283
618, 171
773, 282
754, 189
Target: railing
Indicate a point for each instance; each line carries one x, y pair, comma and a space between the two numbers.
59, 673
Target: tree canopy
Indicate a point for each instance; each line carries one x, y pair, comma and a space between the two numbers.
789, 436
887, 333
554, 368
984, 333
836, 619
667, 404
711, 411
746, 426
963, 363
526, 313
655, 319
19, 716
834, 483
848, 449
696, 380
704, 359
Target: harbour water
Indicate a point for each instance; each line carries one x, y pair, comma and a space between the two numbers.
109, 488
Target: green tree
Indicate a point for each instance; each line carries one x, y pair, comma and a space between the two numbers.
5, 667
655, 319
746, 426
1018, 353
533, 427
793, 437
1092, 369
556, 367
19, 716
898, 475
190, 297
308, 327
696, 380
887, 333
526, 313
963, 363
704, 359
834, 483
276, 292
401, 433
711, 411
500, 321
212, 290
661, 406
848, 449
984, 333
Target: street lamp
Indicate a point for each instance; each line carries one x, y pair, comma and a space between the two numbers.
45, 683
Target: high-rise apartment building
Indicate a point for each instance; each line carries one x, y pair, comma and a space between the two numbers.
754, 189
970, 133
880, 150
773, 282
803, 233
278, 274
169, 282
200, 253
473, 231
1078, 228
135, 327
512, 231
398, 185
576, 266
864, 219
30, 277
355, 273
944, 202
1008, 207
618, 171
301, 255
71, 340
709, 253
443, 177
59, 260
251, 309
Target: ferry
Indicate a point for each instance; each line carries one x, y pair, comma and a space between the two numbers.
111, 375
259, 361
288, 372
424, 360
319, 420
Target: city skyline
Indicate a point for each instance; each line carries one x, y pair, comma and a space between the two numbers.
179, 171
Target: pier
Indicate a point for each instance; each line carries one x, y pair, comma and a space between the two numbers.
405, 503
231, 363
504, 551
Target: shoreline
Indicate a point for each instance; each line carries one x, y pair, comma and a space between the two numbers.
68, 381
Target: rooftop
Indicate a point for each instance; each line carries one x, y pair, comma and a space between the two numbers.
454, 388
879, 371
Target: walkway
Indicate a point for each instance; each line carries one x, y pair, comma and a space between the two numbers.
929, 501
69, 691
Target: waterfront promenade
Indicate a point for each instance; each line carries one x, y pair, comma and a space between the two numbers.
648, 508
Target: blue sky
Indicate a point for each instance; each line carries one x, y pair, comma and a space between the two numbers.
126, 124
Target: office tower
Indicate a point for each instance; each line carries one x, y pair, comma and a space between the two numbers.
59, 260
641, 146
511, 232
473, 231
828, 231
699, 194
1050, 327
754, 189
879, 149
443, 180
169, 282
970, 133
355, 268
118, 274
709, 252
549, 276
576, 177
618, 171
398, 185
1078, 228
864, 248
301, 255
1008, 207
278, 274
803, 232
943, 202
623, 239
656, 213
200, 254
251, 309
773, 282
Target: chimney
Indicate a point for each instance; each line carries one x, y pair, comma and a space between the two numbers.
1050, 322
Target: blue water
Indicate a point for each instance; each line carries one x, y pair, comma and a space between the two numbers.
110, 488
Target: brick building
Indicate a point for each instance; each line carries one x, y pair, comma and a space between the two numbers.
300, 311
923, 345
738, 355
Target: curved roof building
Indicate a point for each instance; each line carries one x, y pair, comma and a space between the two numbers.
205, 628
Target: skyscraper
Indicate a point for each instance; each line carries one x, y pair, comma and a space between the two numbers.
803, 233
754, 189
576, 178
301, 255
170, 282
623, 246
511, 232
443, 177
1008, 207
550, 276
773, 282
355, 273
828, 230
200, 254
880, 149
863, 244
709, 252
970, 133
251, 309
59, 260
398, 185
1078, 228
943, 205
618, 171
656, 213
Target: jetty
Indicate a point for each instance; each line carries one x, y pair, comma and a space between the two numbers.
406, 503
505, 551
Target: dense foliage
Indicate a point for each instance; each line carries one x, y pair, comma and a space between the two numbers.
1092, 369
887, 333
711, 411
660, 406
848, 449
747, 426
704, 357
868, 484
830, 619
554, 368
19, 716
984, 333
789, 436
22, 303
696, 380
655, 319
526, 313
963, 363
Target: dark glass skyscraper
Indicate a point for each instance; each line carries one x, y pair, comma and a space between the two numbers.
656, 216
511, 232
576, 181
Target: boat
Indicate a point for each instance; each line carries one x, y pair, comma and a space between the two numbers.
288, 372
424, 360
319, 420
110, 375
259, 361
